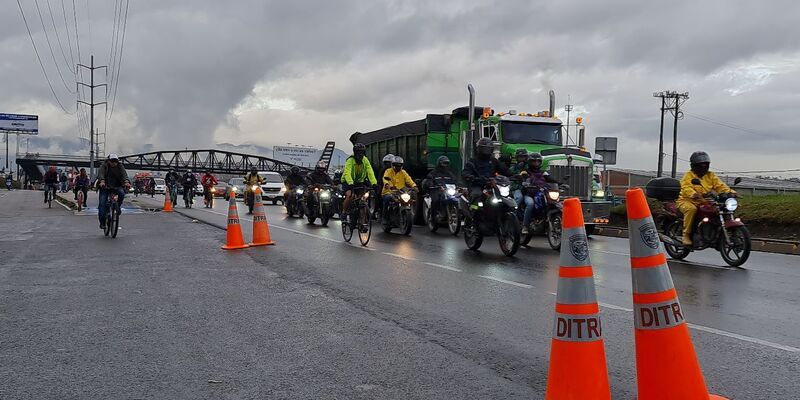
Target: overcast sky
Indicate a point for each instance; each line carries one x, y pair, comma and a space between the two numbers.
195, 73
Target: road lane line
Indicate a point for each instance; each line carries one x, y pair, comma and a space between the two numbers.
443, 266
717, 331
400, 256
522, 285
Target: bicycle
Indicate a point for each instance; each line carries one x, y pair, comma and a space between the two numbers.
359, 216
173, 194
81, 198
112, 213
49, 194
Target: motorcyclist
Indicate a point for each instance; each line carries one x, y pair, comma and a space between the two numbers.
50, 181
317, 177
521, 156
395, 179
292, 181
386, 164
208, 181
253, 178
9, 181
189, 185
480, 168
536, 179
111, 176
439, 175
82, 184
692, 195
337, 177
357, 171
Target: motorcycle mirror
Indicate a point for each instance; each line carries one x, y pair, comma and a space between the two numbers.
737, 181
695, 181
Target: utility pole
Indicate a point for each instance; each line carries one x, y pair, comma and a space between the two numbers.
91, 105
670, 101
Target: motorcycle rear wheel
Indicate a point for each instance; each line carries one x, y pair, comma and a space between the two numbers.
738, 252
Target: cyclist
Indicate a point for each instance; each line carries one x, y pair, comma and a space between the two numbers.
111, 176
189, 184
50, 182
172, 180
82, 184
357, 171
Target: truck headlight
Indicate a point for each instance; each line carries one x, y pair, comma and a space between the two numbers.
504, 190
554, 195
731, 204
405, 197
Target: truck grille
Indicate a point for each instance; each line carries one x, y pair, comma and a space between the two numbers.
580, 179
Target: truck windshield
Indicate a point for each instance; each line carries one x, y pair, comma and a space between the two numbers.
523, 132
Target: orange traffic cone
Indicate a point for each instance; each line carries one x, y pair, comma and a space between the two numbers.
261, 235
167, 202
577, 355
234, 239
666, 364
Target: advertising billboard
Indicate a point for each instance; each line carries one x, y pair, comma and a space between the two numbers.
19, 123
304, 156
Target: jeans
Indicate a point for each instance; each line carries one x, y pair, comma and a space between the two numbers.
102, 208
533, 205
386, 200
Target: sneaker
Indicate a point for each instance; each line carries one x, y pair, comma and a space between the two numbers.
103, 226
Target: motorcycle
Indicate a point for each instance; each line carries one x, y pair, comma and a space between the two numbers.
448, 211
548, 221
296, 202
320, 205
715, 226
249, 198
208, 197
8, 184
337, 201
494, 214
398, 213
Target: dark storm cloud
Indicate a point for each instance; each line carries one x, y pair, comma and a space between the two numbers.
196, 73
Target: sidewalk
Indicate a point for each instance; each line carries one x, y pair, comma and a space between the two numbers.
161, 312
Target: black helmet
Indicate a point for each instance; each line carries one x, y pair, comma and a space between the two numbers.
699, 157
321, 166
295, 170
521, 153
253, 169
337, 174
442, 161
359, 148
535, 160
484, 147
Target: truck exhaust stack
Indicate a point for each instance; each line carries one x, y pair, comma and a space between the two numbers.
553, 104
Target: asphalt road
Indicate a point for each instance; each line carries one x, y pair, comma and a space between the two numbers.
405, 317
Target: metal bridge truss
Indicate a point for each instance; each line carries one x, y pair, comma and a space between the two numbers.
220, 162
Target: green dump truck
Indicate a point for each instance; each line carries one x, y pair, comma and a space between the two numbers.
422, 141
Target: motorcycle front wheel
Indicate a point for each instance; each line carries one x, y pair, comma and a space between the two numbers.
406, 222
737, 251
453, 219
430, 218
554, 231
472, 237
509, 234
675, 232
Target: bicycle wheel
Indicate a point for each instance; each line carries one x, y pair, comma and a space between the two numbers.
107, 230
114, 221
347, 229
364, 225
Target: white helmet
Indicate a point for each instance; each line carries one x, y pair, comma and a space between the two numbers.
398, 160
113, 156
322, 165
388, 158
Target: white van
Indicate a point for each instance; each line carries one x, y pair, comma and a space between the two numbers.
273, 189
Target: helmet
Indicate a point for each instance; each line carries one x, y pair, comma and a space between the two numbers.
321, 165
113, 156
520, 154
253, 169
208, 172
699, 157
535, 160
359, 148
389, 158
442, 161
188, 170
484, 147
295, 170
397, 161
337, 174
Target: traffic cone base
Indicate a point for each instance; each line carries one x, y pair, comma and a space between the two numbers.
261, 236
666, 363
577, 354
234, 237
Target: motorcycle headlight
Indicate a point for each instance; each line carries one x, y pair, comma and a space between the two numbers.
554, 195
254, 187
213, 190
405, 197
451, 190
599, 193
325, 194
496, 200
366, 195
504, 190
731, 204
299, 191
233, 188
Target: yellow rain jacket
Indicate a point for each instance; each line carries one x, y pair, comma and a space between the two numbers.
709, 182
397, 179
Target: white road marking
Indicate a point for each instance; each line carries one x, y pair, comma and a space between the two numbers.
401, 256
442, 266
715, 331
522, 285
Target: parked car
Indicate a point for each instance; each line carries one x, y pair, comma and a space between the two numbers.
161, 186
221, 189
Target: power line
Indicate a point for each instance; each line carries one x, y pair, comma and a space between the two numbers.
66, 28
725, 124
114, 34
47, 37
58, 38
40, 59
119, 61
